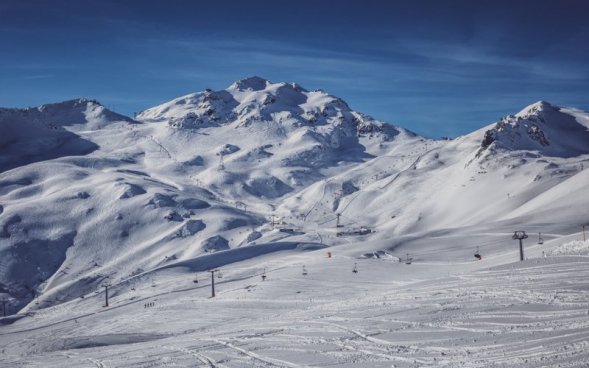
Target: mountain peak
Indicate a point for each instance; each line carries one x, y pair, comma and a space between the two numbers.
69, 104
88, 113
537, 107
253, 83
540, 127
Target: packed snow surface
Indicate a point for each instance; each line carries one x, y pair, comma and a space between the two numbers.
286, 192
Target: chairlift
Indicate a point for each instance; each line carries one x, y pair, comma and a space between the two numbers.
408, 260
264, 275
540, 239
477, 254
355, 270
195, 279
305, 271
219, 275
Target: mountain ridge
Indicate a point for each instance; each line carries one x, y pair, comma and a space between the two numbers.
256, 99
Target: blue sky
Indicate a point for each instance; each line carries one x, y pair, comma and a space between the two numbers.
440, 68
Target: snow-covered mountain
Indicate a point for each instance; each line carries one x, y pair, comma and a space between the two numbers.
541, 127
257, 101
35, 134
89, 196
268, 139
259, 179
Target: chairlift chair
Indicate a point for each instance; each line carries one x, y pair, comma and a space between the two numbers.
304, 271
408, 260
355, 270
540, 239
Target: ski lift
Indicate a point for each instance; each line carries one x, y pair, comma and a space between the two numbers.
195, 279
477, 254
264, 275
408, 260
355, 270
219, 274
305, 273
540, 239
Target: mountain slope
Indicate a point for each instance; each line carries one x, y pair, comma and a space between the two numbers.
216, 171
34, 134
258, 139
152, 193
463, 182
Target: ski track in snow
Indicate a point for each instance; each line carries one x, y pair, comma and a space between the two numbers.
97, 363
199, 356
251, 354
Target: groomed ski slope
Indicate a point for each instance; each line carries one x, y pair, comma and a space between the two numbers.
433, 312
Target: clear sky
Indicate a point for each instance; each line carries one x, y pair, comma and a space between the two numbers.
439, 68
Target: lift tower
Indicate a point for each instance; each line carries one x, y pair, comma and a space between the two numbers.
520, 235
